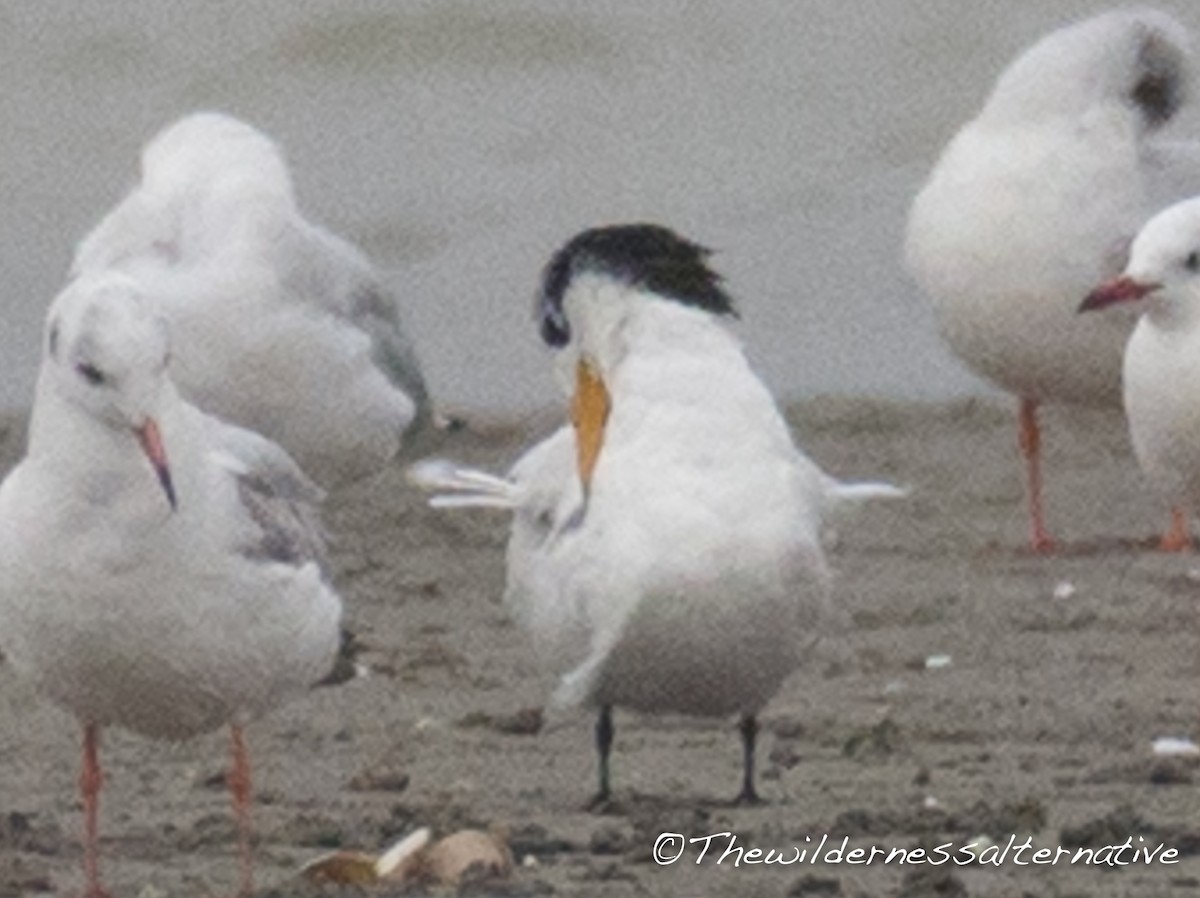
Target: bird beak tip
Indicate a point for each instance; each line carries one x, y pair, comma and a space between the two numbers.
150, 440
1120, 290
164, 477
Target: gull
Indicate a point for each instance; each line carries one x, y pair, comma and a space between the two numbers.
1036, 200
278, 325
1161, 373
159, 569
665, 548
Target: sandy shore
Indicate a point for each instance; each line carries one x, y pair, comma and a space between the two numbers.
1040, 724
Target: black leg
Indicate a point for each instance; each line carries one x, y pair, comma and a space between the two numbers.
749, 730
604, 741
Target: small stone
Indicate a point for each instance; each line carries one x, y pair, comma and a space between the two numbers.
1064, 589
785, 754
608, 840
379, 780
1170, 772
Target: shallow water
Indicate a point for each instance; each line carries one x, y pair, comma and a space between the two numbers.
461, 142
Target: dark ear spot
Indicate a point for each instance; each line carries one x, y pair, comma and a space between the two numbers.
1159, 89
1192, 262
52, 343
91, 374
1155, 96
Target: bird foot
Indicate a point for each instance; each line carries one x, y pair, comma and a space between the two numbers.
602, 803
1170, 542
748, 798
1043, 544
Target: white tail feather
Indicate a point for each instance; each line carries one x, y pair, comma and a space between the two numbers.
456, 486
865, 491
469, 500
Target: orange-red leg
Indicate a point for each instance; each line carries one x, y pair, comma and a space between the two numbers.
239, 791
91, 780
1030, 440
1178, 538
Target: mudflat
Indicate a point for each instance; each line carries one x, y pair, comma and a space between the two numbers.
974, 694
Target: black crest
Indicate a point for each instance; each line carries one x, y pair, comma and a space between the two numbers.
647, 256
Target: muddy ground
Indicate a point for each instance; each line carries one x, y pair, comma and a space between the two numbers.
1061, 671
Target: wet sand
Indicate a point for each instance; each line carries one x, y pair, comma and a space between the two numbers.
1040, 725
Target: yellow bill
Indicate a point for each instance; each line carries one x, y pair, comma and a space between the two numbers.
589, 413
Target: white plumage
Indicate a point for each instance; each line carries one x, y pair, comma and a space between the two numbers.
1162, 359
686, 573
1036, 200
278, 325
166, 606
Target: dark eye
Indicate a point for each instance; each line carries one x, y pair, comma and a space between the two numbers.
1192, 262
91, 373
555, 330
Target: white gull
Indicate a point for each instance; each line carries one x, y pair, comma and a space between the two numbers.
159, 569
1162, 359
1036, 200
279, 325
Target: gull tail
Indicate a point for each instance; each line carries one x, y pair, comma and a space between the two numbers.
456, 486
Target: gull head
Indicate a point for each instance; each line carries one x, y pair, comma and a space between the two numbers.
591, 288
208, 182
1163, 269
1134, 60
106, 355
210, 152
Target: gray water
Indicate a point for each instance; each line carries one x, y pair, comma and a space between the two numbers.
460, 142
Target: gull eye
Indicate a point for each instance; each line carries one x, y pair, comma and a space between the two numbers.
91, 374
1192, 262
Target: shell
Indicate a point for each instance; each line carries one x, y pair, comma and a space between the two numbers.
405, 858
468, 852
347, 868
